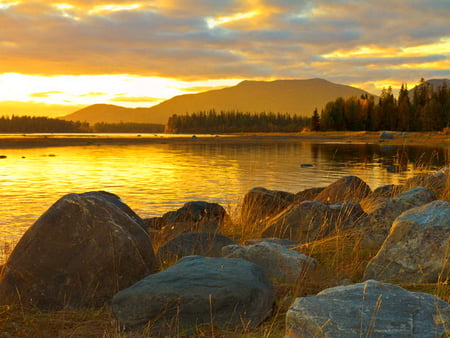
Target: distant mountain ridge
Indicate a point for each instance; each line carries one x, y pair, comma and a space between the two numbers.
280, 96
436, 83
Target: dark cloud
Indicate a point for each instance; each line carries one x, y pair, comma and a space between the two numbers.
171, 38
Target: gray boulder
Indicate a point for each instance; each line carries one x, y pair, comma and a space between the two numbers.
228, 293
436, 182
79, 253
348, 188
375, 226
260, 203
308, 194
192, 243
287, 243
417, 248
281, 265
197, 216
312, 220
369, 309
380, 196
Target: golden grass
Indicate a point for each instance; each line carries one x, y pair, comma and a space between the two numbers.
340, 257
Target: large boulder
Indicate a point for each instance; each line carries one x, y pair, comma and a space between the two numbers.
369, 309
308, 194
375, 226
192, 243
348, 188
312, 220
436, 182
196, 216
80, 252
228, 293
380, 196
287, 243
417, 248
281, 265
260, 203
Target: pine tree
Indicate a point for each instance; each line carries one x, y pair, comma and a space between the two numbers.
315, 121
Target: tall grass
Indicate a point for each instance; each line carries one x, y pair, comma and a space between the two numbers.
341, 260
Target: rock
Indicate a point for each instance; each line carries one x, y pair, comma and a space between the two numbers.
281, 265
79, 253
379, 196
436, 182
230, 293
287, 243
369, 309
312, 220
308, 194
348, 188
385, 135
153, 223
192, 243
198, 216
376, 225
260, 203
417, 248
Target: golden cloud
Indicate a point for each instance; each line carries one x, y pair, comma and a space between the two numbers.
45, 94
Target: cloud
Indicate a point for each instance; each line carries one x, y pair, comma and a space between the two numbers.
91, 94
214, 39
8, 108
45, 94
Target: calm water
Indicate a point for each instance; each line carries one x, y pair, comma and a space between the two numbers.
153, 179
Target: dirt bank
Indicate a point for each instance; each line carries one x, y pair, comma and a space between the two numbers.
56, 140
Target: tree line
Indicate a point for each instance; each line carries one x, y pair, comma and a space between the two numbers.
41, 124
235, 121
427, 110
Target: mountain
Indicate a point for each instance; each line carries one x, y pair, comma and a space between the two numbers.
281, 96
436, 83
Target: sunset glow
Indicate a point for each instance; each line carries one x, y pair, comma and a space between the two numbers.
68, 54
113, 8
213, 22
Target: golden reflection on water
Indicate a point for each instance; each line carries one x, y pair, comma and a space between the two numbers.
153, 179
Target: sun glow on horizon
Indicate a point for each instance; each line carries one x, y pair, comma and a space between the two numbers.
121, 89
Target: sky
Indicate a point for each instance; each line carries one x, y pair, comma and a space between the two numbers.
59, 56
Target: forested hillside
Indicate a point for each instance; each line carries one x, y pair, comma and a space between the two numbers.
428, 109
231, 122
40, 124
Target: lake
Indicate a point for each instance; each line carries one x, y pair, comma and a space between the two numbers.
155, 178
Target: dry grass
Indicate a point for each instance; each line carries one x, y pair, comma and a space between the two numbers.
341, 260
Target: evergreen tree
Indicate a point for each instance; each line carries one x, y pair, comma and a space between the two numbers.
404, 109
315, 121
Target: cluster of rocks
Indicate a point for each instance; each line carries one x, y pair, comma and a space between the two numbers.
90, 249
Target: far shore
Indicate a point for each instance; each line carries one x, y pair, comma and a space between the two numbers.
432, 139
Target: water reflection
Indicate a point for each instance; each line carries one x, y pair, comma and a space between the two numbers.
157, 178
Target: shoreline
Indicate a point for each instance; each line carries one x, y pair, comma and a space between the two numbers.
432, 139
